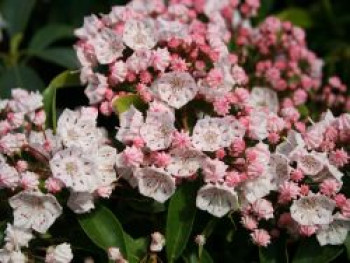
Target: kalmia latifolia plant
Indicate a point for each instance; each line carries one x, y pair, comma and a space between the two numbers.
218, 151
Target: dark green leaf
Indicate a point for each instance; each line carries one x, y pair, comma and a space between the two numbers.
304, 111
123, 103
309, 251
63, 80
347, 245
16, 13
181, 214
19, 76
65, 57
297, 16
276, 252
49, 34
192, 257
104, 229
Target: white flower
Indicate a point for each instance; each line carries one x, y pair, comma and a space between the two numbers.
155, 183
81, 202
328, 171
157, 130
9, 256
293, 142
128, 175
105, 160
9, 177
76, 128
310, 163
73, 168
140, 34
217, 200
24, 101
12, 143
257, 188
139, 61
279, 168
96, 88
115, 255
184, 162
91, 27
33, 209
175, 88
335, 233
171, 29
213, 6
59, 254
3, 104
108, 46
313, 210
211, 134
40, 140
264, 98
130, 124
16, 237
158, 242
258, 125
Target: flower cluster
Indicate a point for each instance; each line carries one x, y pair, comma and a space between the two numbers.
194, 112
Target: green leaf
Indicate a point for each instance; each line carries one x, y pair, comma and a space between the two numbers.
304, 111
123, 103
49, 34
276, 252
309, 251
181, 214
347, 245
63, 80
16, 13
19, 76
192, 257
104, 229
65, 57
297, 16
137, 248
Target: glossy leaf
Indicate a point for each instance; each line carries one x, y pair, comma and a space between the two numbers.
17, 13
65, 79
104, 229
192, 257
123, 103
19, 76
49, 34
297, 16
181, 214
309, 251
64, 57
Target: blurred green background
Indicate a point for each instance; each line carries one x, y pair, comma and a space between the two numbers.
38, 35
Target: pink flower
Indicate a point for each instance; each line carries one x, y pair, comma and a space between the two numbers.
221, 106
181, 139
161, 59
329, 187
296, 175
307, 231
237, 147
249, 222
255, 169
21, 166
261, 237
132, 156
345, 209
340, 200
339, 157
233, 178
263, 209
53, 185
287, 192
214, 170
161, 159
215, 78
